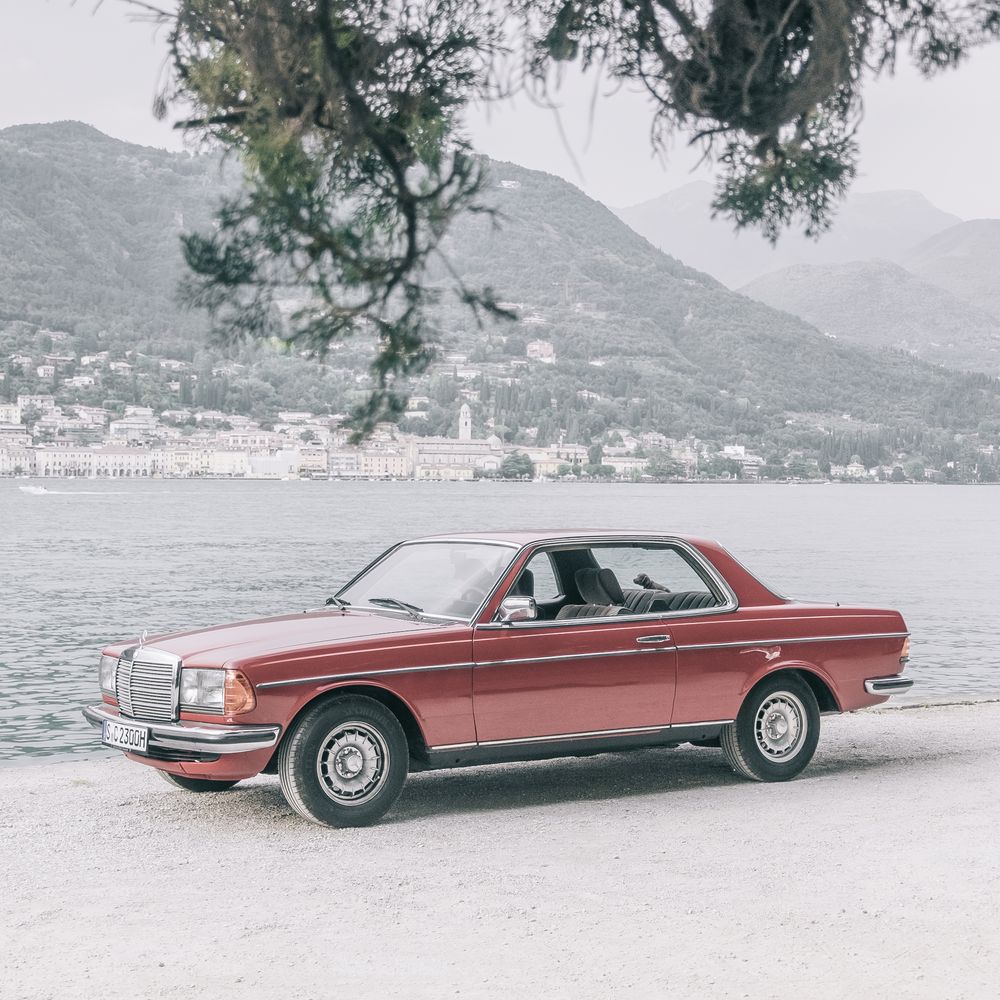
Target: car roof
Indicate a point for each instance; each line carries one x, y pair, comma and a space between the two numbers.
528, 536
748, 589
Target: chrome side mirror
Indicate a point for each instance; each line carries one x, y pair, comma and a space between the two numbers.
518, 609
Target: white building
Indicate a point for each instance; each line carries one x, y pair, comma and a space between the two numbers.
541, 350
15, 459
107, 462
139, 424
626, 466
343, 463
384, 464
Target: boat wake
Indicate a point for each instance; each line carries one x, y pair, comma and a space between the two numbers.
41, 490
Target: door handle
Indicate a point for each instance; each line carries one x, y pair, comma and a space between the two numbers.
653, 639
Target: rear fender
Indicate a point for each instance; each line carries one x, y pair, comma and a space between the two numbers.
811, 670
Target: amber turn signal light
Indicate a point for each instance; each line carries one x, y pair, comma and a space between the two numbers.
904, 654
239, 697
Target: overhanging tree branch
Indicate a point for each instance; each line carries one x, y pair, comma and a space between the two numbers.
346, 115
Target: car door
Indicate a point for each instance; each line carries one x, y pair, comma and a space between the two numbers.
596, 677
582, 677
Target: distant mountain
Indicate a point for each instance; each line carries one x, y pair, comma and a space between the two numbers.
965, 259
883, 224
692, 355
879, 304
88, 246
89, 229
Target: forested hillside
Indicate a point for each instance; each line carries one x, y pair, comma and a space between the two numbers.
89, 231
89, 260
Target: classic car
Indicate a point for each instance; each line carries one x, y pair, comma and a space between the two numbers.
501, 646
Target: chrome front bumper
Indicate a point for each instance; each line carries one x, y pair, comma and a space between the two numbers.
883, 686
196, 737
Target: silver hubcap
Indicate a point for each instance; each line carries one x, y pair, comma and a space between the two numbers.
780, 726
352, 763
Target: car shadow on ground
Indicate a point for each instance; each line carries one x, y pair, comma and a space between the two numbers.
596, 778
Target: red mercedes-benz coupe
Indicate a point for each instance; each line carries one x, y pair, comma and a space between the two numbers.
499, 646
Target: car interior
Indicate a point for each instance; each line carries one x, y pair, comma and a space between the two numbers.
579, 586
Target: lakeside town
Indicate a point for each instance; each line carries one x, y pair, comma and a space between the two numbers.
40, 438
516, 410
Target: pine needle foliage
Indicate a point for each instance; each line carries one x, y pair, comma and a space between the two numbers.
346, 118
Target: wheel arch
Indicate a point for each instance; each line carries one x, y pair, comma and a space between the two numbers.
399, 707
821, 685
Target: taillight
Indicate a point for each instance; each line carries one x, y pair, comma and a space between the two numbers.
239, 697
904, 653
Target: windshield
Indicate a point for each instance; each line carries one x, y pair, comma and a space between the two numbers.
436, 578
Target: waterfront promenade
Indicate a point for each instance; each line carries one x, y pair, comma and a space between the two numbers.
648, 875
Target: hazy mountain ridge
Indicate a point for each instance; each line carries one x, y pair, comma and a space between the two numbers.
883, 224
880, 304
964, 259
894, 271
88, 244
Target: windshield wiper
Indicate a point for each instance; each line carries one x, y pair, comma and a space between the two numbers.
391, 602
338, 602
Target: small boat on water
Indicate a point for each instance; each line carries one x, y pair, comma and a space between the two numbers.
36, 490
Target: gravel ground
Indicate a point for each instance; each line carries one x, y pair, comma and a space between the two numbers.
654, 874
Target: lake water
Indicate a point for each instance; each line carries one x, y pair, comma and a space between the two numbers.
88, 563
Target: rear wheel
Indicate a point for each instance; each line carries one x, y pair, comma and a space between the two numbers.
344, 762
196, 784
775, 735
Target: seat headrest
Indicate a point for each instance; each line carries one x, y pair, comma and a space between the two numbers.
524, 585
610, 583
589, 586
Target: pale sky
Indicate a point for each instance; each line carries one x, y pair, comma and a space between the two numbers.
64, 60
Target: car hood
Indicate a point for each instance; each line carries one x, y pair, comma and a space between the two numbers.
263, 637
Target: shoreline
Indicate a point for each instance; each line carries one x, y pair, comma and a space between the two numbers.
642, 874
31, 481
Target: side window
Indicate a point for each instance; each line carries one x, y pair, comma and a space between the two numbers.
546, 587
657, 567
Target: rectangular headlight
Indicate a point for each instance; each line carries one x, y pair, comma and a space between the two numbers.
106, 673
203, 688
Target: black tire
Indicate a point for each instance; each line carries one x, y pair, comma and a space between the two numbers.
761, 744
196, 784
318, 759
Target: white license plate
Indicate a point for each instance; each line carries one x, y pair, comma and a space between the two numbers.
124, 736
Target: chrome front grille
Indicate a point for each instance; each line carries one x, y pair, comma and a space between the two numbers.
145, 688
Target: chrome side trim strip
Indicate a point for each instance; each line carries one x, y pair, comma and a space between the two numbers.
324, 678
573, 736
575, 656
351, 675
888, 685
790, 642
594, 733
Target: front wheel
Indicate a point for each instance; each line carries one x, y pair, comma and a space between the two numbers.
196, 784
344, 762
775, 735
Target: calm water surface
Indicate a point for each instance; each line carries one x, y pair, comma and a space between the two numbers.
91, 562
